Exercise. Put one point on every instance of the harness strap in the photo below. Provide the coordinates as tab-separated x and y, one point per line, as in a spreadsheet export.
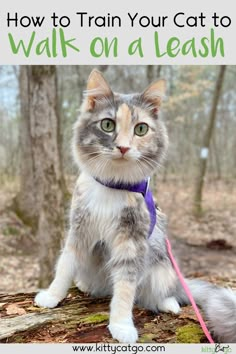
142	188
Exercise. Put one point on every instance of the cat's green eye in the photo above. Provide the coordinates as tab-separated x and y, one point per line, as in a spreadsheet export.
141	129
108	125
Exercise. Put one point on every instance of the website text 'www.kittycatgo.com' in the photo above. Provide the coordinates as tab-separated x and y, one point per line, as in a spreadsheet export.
122	348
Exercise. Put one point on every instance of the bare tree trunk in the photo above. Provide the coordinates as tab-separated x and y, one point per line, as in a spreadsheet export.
171	89
206	143
59	99
217	158
81	82
159	68
25	202
40	200
150	73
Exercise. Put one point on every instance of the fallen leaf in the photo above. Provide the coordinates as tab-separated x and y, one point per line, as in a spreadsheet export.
13	309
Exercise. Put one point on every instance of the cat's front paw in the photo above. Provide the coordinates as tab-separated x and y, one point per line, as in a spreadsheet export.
82	287
169	304
45	299
123	332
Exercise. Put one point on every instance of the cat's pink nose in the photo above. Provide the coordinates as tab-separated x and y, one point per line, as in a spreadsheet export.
123	149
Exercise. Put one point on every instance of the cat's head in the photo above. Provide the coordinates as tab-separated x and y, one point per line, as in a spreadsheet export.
120	137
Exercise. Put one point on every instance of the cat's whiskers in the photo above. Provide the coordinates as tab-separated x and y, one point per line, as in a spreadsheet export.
104	166
139	165
142	160
93	166
92	159
150	166
150	161
95	153
98	169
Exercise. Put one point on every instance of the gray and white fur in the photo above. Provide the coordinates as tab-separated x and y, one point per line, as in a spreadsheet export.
121	138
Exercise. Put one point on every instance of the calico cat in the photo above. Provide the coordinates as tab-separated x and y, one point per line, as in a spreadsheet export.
121	140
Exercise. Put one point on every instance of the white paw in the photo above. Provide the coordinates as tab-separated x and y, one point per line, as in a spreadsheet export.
169	304
123	332
82	287
45	299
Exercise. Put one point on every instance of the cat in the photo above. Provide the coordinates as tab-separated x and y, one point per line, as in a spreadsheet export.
120	139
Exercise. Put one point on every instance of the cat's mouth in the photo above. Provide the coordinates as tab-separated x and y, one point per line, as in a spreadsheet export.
121	159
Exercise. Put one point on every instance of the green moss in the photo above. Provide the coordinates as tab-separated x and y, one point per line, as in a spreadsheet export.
147	338
71	324
95	318
189	334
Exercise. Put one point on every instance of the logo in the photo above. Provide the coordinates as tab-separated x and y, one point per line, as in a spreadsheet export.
219	348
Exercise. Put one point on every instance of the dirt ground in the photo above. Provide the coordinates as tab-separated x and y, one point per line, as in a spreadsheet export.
204	247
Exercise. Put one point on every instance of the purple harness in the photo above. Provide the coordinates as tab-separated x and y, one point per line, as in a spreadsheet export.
143	188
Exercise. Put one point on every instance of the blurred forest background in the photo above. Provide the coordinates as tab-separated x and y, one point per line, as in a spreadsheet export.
38	106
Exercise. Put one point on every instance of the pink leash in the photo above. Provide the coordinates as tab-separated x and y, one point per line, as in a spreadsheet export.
188	293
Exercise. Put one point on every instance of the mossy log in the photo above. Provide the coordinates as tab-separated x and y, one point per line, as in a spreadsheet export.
82	319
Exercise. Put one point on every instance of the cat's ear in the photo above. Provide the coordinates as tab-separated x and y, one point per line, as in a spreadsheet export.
154	94
97	89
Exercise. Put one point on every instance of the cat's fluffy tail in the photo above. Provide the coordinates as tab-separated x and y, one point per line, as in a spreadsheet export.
219	306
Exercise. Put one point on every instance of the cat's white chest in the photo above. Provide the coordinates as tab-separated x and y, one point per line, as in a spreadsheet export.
103	204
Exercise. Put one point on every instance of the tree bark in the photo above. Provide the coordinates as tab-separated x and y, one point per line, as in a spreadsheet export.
150	73
25	202
40	201
217	158
206	143
60	137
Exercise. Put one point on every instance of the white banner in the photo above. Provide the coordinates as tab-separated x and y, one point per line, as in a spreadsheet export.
116	348
109	32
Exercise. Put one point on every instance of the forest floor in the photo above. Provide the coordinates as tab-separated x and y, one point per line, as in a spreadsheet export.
204	247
